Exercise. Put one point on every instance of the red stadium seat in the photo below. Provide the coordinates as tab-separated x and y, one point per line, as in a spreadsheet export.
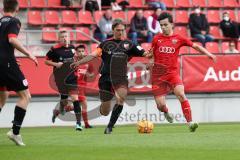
119	14
98	15
85	17
69	30
184	50
35	18
148	13
230	3
55	4
215	31
52	18
23	3
193	51
146	46
181	31
80	36
213	16
38	4
136	4
169	3
215	3
231	14
181	16
69	17
130	15
201	3
183	3
49	36
94	46
213	47
224	46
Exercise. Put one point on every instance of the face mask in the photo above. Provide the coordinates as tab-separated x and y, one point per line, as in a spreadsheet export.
226	18
197	10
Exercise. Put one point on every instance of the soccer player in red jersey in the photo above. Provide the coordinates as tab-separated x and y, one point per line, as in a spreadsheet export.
165	71
83	73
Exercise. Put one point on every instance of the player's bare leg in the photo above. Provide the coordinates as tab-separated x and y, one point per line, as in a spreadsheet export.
121	94
84	114
19	114
77	110
179	92
3	98
162	107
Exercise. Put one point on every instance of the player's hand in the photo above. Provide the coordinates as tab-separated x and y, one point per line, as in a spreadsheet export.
213	57
74	65
59	64
149	53
34	59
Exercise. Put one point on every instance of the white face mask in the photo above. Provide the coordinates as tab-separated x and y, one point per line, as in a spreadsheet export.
226	18
197	10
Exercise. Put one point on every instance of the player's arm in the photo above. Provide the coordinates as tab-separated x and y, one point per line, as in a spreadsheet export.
53	64
95	54
17	44
204	51
13	31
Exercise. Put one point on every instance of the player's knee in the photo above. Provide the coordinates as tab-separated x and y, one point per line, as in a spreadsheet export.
181	96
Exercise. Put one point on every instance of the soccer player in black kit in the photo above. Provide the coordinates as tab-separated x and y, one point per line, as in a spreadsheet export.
60	57
115	54
12	79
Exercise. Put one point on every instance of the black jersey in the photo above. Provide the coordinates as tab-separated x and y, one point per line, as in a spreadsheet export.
60	53
116	54
64	77
9	27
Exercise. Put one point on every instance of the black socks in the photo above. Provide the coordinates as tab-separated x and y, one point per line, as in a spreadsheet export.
77	111
19	114
115	114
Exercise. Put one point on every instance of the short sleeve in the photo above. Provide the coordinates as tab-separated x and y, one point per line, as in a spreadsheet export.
186	42
136	51
50	55
14	28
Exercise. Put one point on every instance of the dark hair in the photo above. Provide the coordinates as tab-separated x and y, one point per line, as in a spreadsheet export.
165	15
117	22
80	46
62	31
10	5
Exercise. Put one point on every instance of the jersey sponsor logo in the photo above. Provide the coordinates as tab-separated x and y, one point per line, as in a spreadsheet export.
25	82
169	50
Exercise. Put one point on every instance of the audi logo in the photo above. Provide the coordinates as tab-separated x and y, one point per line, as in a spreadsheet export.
167	50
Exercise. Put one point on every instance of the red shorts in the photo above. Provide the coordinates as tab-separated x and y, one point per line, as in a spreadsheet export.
81	94
165	84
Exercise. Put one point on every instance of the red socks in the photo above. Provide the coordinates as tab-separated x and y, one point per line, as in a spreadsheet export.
85	117
186	110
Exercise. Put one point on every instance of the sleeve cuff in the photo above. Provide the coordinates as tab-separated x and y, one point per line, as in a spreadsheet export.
12	36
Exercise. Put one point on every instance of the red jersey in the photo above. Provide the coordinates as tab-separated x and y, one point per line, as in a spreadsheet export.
81	73
166	51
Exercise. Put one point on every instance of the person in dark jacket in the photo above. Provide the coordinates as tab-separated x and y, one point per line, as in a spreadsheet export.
230	28
139	28
199	27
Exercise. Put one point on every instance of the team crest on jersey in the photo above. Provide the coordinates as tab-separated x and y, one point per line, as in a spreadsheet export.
25	82
126	46
174	41
73	51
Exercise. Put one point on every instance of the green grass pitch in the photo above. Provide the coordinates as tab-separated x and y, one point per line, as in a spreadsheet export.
167	142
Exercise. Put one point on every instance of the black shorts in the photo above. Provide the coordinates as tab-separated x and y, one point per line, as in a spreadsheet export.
65	82
12	78
107	86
